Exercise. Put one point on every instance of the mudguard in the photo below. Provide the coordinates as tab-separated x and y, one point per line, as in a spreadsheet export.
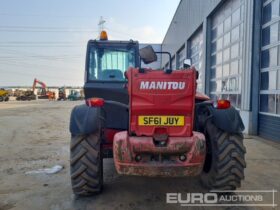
85	120
228	120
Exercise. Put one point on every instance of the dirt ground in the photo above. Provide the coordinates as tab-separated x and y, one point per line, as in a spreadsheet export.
35	135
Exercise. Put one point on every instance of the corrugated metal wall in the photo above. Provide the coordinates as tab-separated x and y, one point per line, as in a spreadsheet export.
269	127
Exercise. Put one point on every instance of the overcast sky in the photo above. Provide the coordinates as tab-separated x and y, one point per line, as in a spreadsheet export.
47	39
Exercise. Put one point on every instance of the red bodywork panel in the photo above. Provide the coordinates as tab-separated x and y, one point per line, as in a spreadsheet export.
154	149
155	92
159	161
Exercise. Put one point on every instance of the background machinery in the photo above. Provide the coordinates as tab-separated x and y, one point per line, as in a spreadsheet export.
4	95
17	92
26	95
152	122
61	94
43	93
74	95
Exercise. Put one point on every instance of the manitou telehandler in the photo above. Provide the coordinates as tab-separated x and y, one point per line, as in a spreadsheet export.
152	122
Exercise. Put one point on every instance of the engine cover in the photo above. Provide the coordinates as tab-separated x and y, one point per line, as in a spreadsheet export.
161	101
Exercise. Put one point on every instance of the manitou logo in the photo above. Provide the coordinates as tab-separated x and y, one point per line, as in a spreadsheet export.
147	85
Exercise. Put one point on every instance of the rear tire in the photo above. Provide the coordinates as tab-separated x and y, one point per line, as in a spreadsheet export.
86	164
1	99
225	159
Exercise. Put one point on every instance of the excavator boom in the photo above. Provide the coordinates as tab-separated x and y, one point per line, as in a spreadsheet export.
44	93
44	86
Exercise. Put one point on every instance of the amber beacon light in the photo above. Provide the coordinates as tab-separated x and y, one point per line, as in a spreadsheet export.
103	35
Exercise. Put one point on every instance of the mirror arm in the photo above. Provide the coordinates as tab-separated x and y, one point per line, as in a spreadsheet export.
169	55
141	70
170	64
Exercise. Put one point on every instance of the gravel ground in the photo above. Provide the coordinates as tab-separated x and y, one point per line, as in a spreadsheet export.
35	135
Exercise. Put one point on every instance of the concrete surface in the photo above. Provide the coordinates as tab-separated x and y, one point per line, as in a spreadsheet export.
35	135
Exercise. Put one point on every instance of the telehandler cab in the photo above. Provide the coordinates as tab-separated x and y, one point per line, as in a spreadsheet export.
152	122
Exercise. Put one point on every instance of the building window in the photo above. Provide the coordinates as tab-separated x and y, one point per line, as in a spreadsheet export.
226	52
195	53
270	34
270	11
270	59
181	55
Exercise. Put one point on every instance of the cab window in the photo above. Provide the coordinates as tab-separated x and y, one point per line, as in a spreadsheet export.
109	64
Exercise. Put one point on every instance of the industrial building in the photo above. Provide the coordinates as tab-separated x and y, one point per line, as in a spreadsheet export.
235	45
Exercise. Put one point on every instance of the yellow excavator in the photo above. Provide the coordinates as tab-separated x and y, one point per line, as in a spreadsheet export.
4	95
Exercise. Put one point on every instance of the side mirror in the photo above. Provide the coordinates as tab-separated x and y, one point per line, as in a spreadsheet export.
147	54
187	63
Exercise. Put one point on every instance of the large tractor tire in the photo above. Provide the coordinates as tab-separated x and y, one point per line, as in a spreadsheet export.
225	159
86	164
1	99
7	98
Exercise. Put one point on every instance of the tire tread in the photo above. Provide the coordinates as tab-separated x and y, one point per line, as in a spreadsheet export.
86	164
228	161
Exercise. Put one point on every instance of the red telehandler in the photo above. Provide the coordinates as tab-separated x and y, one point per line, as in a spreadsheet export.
152	122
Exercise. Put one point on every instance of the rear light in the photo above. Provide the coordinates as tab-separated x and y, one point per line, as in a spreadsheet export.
95	102
223	104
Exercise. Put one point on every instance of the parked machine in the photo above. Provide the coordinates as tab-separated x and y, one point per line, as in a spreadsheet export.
61	94
152	122
4	95
74	95
26	95
43	93
17	92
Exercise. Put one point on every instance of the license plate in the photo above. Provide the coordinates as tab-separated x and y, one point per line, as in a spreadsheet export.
161	120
